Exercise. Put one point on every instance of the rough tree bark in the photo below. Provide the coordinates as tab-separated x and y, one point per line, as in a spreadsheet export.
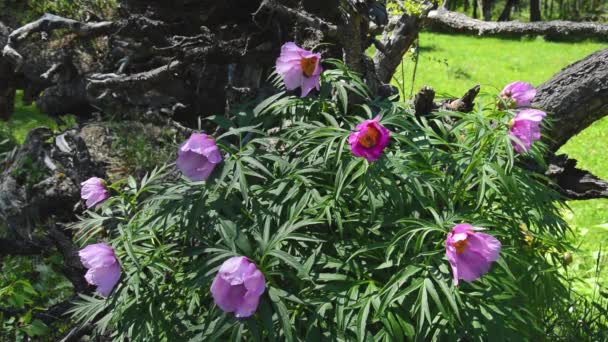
575	97
446	21
535	10
486	9
505	15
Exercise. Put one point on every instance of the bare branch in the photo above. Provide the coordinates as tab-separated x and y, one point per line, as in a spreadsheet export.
122	81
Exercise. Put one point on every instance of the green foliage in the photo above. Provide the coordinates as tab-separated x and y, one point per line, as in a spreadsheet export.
350	250
19	12
28	172
21	299
75	9
399	7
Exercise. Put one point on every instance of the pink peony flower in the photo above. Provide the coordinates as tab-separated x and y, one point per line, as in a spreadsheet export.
299	68
237	287
518	94
103	268
93	191
369	140
470	253
526	127
198	156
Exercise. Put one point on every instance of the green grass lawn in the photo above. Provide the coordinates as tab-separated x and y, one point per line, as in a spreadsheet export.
589	219
452	64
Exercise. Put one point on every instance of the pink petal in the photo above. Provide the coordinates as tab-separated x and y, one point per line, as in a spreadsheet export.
97	255
248	305
293	79
255	282
310	83
105	278
93	191
486	245
471	265
226	296
194	166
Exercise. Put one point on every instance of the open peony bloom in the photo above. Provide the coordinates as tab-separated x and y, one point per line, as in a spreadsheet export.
237	287
369	140
198	156
470	253
518	94
299	68
94	191
526	127
103	268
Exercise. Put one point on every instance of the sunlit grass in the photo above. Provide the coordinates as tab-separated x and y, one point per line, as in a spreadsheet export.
453	64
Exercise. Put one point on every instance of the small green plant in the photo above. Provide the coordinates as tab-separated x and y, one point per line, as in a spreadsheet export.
140	149
28	172
27	287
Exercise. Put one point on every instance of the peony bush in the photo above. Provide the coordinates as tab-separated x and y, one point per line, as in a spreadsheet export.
323	213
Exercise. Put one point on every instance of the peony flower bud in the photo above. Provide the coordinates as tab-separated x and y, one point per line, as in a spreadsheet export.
238	286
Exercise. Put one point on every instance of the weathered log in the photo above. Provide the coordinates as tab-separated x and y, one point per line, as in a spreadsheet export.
575	97
446	21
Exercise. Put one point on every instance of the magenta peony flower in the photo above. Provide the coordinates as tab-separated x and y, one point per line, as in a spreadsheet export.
526	127
518	94
94	191
369	140
198	156
299	68
103	268
470	253
237	287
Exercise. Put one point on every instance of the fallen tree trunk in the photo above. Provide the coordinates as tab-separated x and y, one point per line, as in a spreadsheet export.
443	20
575	97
